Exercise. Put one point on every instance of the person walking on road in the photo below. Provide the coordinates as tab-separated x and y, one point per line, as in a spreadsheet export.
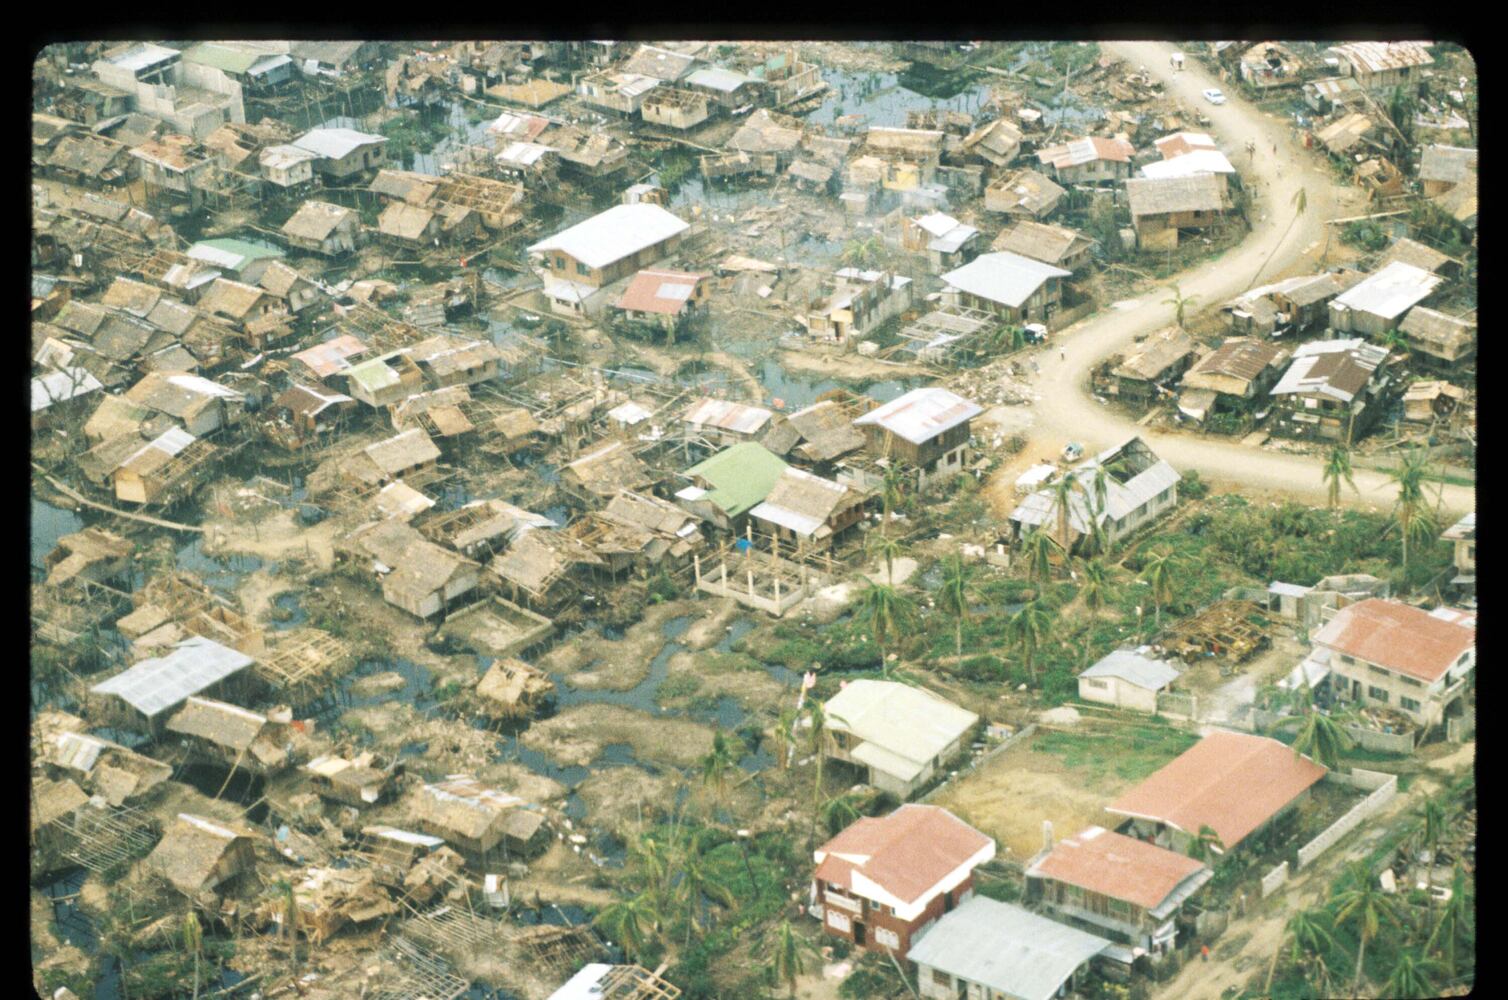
1062	353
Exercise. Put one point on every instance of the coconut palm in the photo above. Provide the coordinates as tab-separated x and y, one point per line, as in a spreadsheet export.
1158	572
1205	844
1179	302
882	546
1308	934
785	734
1096	585
1322	738
1411	512
892	490
629	922
720	761
791	952
1433	831
839	811
955	596
1365	908
887	611
1037	545
1454	925
822	741
1300	202
1411	977
1337	470
864	252
1027	628
1062	497
193	943
699	883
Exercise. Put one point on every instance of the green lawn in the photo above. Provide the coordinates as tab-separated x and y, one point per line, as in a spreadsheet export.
1132	753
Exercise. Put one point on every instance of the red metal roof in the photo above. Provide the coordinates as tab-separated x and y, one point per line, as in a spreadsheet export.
657	291
1117	866
1398	637
906	853
1230	782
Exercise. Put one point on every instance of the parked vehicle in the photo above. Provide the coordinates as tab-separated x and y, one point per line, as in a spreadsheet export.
1073	451
1214	96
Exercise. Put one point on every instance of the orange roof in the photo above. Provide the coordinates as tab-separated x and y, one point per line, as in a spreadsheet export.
1231	782
1117	866
1398	637
657	291
906	853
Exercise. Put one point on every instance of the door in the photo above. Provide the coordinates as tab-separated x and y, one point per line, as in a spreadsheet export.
858	934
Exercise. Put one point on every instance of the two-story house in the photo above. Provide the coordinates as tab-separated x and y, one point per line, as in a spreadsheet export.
926	429
1416	662
1016	288
580	263
1333	390
1116	886
1093	160
1139	487
884	881
1463	534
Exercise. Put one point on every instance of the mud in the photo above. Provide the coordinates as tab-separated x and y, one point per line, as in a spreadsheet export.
577	736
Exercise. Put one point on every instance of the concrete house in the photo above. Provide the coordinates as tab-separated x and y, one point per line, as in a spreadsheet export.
287	166
1463	534
1390	654
1092	160
1333	390
1128	678
1139	488
1016	288
615	91
323	228
343	153
1163	207
1235	377
883	883
580	262
1379	302
1234	783
900	735
926	429
853	302
1116	887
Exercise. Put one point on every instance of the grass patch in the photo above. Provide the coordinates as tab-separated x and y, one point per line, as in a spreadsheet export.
1133	753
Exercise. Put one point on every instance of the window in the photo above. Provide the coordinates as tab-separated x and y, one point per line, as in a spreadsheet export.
1377	693
560	263
1471	551
1376	670
1095	683
582	268
1409	704
1412	682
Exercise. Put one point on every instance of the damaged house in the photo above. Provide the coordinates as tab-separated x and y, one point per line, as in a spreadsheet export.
1139	487
144	693
227	734
1333	389
667	299
103	767
536	569
322	228
1057	246
197	854
925	429
356	781
723	422
947	242
853	302
995	143
392	458
512	688
343	153
819	434
1447	342
1024	193
456	361
1092	160
478	821
600	473
384	380
1234	378
416	575
1161	208
808	512
1146	371
165	469
1378	303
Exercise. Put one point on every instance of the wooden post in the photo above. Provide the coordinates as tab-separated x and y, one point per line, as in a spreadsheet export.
751	583
696	562
725	575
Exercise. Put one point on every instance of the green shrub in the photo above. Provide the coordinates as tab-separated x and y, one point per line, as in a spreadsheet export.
1191	487
983	668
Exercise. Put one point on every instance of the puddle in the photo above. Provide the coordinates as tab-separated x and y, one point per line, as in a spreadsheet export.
569	915
290	603
799	391
48	524
736	631
883	101
222	574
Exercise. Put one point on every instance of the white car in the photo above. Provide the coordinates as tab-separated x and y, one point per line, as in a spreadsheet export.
1214	96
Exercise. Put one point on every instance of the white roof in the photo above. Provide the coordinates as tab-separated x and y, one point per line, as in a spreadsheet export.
1200	161
1036	475
584	984
139	57
922	414
155	685
1198	140
403	836
1003	277
398	497
203	386
525	153
726	415
629	413
1297	378
1006	948
717	78
1120	498
937	223
1390	291
508	123
1135	667
334	143
633	84
172	441
621	231
284	156
216	255
1287	589
56	386
904	722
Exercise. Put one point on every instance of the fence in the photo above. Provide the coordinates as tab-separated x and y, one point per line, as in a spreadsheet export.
1273	880
1178	705
1380	797
1368	739
982	759
1461	728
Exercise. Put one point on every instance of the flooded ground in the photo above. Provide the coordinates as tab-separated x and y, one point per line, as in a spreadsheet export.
884	101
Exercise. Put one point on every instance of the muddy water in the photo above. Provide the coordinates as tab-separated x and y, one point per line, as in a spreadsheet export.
798	391
48	524
291	603
222	574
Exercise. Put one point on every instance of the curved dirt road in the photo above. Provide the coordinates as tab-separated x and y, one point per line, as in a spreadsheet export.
1067	411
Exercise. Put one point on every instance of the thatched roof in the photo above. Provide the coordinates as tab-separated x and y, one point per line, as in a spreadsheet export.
466	808
192	848
217	722
826	432
514	685
607	469
316	220
404	221
1166	195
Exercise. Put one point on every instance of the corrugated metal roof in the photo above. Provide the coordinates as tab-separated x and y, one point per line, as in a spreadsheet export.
1006	948
1136	668
1199	161
56	386
741	476
1124	868
1397	636
619	232
335	143
717	78
739	418
1003	277
1390	291
1377	57
154	685
910	722
922	414
1336	368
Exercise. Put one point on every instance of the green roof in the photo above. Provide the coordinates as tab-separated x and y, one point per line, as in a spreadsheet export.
222	58
741	476
246	251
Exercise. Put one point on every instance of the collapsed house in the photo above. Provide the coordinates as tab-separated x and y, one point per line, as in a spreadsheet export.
415	574
512	688
355	781
103	767
853	303
479	821
1138	487
227	734
197	854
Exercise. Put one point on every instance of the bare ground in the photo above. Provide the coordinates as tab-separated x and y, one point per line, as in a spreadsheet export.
620	665
577	735
753	688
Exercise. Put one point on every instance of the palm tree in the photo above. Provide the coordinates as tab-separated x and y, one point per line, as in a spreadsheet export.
821	744
1410	977
1410	510
720	761
1308	933
791	950
1158	572
1179	302
1062	498
1027	628
628	921
193	943
1454	925
698	882
1205	844
887	611
1433	815
839	811
1299	201
1338	470
882	546
892	487
1096	585
1037	546
1364	905
1322	738
864	252
955	595
785	734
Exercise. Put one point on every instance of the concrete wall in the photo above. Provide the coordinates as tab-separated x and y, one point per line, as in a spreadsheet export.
1367	807
1273	880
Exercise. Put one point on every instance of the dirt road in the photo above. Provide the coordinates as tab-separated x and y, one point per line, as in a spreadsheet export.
1067	411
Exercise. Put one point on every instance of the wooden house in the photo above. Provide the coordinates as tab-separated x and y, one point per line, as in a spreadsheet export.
616	91
724	422
807	512
1235	377
725	487
1015	288
455	361
1383	65
228	734
581	261
1093	160
926	430
287	166
1058	246
1437	339
360	780
1024	193
89	556
483	824
416	575
197	854
603	471
512	688
384	380
1146	370
392	458
995	143
312	411
343	152
1163	207
144	694
665	298
296	291
1332	390
168	466
322	228
1378	303
200	405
